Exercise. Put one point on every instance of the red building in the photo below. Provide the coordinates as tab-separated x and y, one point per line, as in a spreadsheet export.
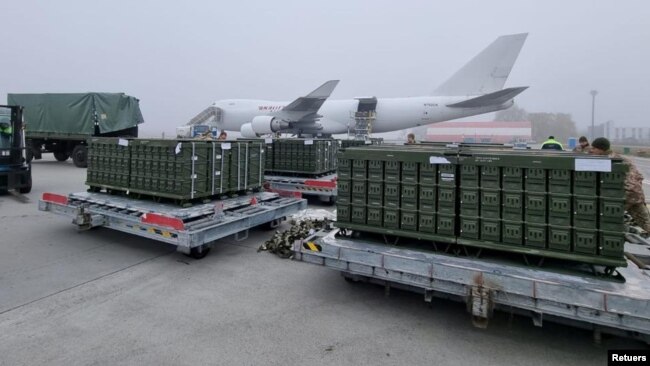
489	131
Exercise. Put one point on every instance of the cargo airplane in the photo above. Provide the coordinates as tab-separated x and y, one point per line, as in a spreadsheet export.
476	88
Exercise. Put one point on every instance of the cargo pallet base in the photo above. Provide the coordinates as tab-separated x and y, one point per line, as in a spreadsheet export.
324	187
618	308
192	230
177	200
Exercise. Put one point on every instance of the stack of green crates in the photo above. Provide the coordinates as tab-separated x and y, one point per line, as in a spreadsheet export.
108	162
176	169
248	162
523	201
302	156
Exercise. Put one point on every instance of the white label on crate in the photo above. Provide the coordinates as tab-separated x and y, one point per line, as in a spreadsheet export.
438	160
218	157
217	173
193	176
368	142
194	157
123	142
593	165
268	141
309	142
225	146
177	150
447	177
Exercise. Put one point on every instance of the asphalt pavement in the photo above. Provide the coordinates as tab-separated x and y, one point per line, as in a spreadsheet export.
102	297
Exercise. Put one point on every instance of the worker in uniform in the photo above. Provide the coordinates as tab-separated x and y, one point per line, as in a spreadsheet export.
410	139
207	135
583	145
5	134
552	144
634	197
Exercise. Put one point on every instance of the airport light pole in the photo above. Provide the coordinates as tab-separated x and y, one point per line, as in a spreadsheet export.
593	109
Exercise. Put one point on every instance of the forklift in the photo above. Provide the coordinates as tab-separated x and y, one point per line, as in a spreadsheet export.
15	170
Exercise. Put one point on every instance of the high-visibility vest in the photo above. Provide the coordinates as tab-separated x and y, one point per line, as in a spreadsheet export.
552	142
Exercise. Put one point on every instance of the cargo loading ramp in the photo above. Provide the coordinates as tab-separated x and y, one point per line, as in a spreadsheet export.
621	308
192	230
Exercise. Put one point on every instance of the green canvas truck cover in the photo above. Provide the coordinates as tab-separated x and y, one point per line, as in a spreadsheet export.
74	113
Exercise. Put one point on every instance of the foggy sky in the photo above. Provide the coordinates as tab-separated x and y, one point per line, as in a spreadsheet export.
178	57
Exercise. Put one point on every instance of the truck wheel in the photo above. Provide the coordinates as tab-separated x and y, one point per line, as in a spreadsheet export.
28	188
199	252
80	156
61	156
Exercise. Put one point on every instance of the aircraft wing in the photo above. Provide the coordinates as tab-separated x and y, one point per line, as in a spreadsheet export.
305	109
495	98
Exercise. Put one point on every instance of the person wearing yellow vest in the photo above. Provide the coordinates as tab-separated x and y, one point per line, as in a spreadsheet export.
5	135
552	144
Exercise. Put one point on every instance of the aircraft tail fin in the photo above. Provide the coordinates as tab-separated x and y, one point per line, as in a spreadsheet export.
488	71
494	98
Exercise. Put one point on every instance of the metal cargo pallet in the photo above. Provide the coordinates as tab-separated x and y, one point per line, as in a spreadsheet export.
604	306
324	187
192	230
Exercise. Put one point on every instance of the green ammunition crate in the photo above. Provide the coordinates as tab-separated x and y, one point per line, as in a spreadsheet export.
490	177
375	216
344	191
535	208
585	183
409	172
359	169
427	222
358	214
469	176
469	201
559	181
427	207
491	203
344	170
428	174
611	214
447	175
447	200
513	178
585	241
446	224
342	212
535	180
559	209
470	227
427	194
536	235
513	204
408	220
219	169
359	189
392	171
585	212
375	170
409	196
513	232
611	243
391	218
490	230
560	238
392	191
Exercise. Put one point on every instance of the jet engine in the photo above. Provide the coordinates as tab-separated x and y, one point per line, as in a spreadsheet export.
268	124
246	131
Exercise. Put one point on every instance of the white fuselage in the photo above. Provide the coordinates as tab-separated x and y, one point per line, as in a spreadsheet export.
392	114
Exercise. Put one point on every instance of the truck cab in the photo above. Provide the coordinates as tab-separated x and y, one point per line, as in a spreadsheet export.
15	170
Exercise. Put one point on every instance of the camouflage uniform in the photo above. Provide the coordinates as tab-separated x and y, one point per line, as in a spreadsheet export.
634	197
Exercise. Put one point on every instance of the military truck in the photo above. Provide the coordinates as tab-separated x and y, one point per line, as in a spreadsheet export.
61	123
15	170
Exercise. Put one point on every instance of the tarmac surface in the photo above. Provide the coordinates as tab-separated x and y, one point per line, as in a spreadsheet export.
103	297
